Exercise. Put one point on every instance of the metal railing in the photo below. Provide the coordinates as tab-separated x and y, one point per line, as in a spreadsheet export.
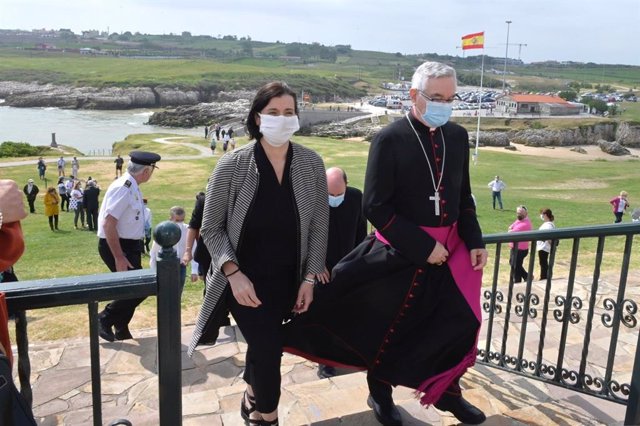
543	329
531	328
91	289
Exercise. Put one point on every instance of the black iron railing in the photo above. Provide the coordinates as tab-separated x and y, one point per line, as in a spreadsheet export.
543	329
91	289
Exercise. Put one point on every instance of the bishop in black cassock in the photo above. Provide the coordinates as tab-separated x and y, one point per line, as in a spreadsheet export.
405	304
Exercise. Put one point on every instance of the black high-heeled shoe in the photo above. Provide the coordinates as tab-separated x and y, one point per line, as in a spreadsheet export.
245	411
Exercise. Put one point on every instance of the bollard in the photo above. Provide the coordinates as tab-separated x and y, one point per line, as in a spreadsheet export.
169	354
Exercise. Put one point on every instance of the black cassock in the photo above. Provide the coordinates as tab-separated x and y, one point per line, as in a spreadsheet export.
386	309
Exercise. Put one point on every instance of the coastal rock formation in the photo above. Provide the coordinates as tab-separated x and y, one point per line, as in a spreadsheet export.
490	138
628	135
201	114
613	148
582	135
18	94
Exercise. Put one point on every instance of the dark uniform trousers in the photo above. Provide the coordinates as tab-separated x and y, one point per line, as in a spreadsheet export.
119	312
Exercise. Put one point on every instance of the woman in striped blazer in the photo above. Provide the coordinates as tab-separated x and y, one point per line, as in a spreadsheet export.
265	224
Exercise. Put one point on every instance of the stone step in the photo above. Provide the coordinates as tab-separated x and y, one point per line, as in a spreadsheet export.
213	388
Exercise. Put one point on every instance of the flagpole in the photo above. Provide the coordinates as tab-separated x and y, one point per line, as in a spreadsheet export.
475	154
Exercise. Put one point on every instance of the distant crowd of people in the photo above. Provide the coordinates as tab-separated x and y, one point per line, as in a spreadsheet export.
216	133
520	250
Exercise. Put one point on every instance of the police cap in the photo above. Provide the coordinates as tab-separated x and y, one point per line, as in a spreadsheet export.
144	158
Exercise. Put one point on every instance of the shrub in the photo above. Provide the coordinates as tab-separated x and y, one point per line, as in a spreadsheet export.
19	149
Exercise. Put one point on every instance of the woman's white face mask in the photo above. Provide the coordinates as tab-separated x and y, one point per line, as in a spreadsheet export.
278	129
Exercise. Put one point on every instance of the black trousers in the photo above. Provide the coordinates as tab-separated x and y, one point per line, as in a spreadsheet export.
119	312
543	258
262	329
32	205
519	272
92	219
65	199
53	220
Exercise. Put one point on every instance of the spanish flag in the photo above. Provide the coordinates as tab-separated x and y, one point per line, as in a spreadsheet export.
473	41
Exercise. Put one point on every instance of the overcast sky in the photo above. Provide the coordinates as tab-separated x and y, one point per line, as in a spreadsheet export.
577	30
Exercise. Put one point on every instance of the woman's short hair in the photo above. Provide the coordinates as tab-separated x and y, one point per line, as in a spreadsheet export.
623	193
275	89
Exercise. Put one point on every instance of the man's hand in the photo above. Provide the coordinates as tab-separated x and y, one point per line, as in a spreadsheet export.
439	255
478	258
122	264
324	277
11	202
187	257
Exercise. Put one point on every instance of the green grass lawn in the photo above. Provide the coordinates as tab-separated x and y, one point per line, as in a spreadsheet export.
577	191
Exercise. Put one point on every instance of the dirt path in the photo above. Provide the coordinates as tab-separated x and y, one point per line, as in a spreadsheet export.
203	152
593	152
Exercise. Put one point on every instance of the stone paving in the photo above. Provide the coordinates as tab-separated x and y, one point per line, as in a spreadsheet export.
212	388
212	383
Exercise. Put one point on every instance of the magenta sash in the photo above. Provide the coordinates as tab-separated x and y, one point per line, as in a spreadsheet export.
469	283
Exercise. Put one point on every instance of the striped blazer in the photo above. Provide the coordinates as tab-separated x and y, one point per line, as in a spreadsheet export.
230	193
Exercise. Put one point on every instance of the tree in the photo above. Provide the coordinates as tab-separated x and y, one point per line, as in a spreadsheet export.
568	95
186	34
599	105
247	48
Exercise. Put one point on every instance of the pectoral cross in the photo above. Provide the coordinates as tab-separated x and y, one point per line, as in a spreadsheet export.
436	201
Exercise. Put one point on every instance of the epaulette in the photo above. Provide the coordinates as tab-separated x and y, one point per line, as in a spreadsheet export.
127	183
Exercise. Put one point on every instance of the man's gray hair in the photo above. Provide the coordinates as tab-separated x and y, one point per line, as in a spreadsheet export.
176	211
431	70
135	169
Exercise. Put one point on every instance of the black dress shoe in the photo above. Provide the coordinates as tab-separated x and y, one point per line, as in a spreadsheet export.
326	371
123	333
462	409
104	330
387	415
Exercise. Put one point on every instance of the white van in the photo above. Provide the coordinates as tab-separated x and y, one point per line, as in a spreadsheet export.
394	104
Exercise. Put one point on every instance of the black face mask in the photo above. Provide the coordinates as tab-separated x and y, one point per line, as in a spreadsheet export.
520	217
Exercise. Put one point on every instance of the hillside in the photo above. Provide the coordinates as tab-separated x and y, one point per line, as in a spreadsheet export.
211	65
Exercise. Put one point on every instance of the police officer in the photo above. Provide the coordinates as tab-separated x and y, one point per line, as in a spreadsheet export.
121	230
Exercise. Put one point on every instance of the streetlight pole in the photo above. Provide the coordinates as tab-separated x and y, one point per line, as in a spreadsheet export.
506	54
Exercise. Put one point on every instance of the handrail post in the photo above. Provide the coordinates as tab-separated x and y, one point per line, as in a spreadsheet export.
632	415
169	353
94	345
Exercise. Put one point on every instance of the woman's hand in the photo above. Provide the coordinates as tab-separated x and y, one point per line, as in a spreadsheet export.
305	297
243	290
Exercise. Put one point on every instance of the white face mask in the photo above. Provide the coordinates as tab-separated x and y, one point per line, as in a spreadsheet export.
278	129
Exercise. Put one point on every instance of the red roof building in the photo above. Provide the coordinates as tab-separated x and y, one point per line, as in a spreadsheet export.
536	104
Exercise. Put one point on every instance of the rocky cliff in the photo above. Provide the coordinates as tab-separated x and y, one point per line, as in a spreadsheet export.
625	134
201	114
19	94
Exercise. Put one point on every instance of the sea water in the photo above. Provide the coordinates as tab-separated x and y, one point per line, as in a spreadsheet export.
90	131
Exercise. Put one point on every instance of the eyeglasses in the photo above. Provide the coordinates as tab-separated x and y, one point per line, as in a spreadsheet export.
439	100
